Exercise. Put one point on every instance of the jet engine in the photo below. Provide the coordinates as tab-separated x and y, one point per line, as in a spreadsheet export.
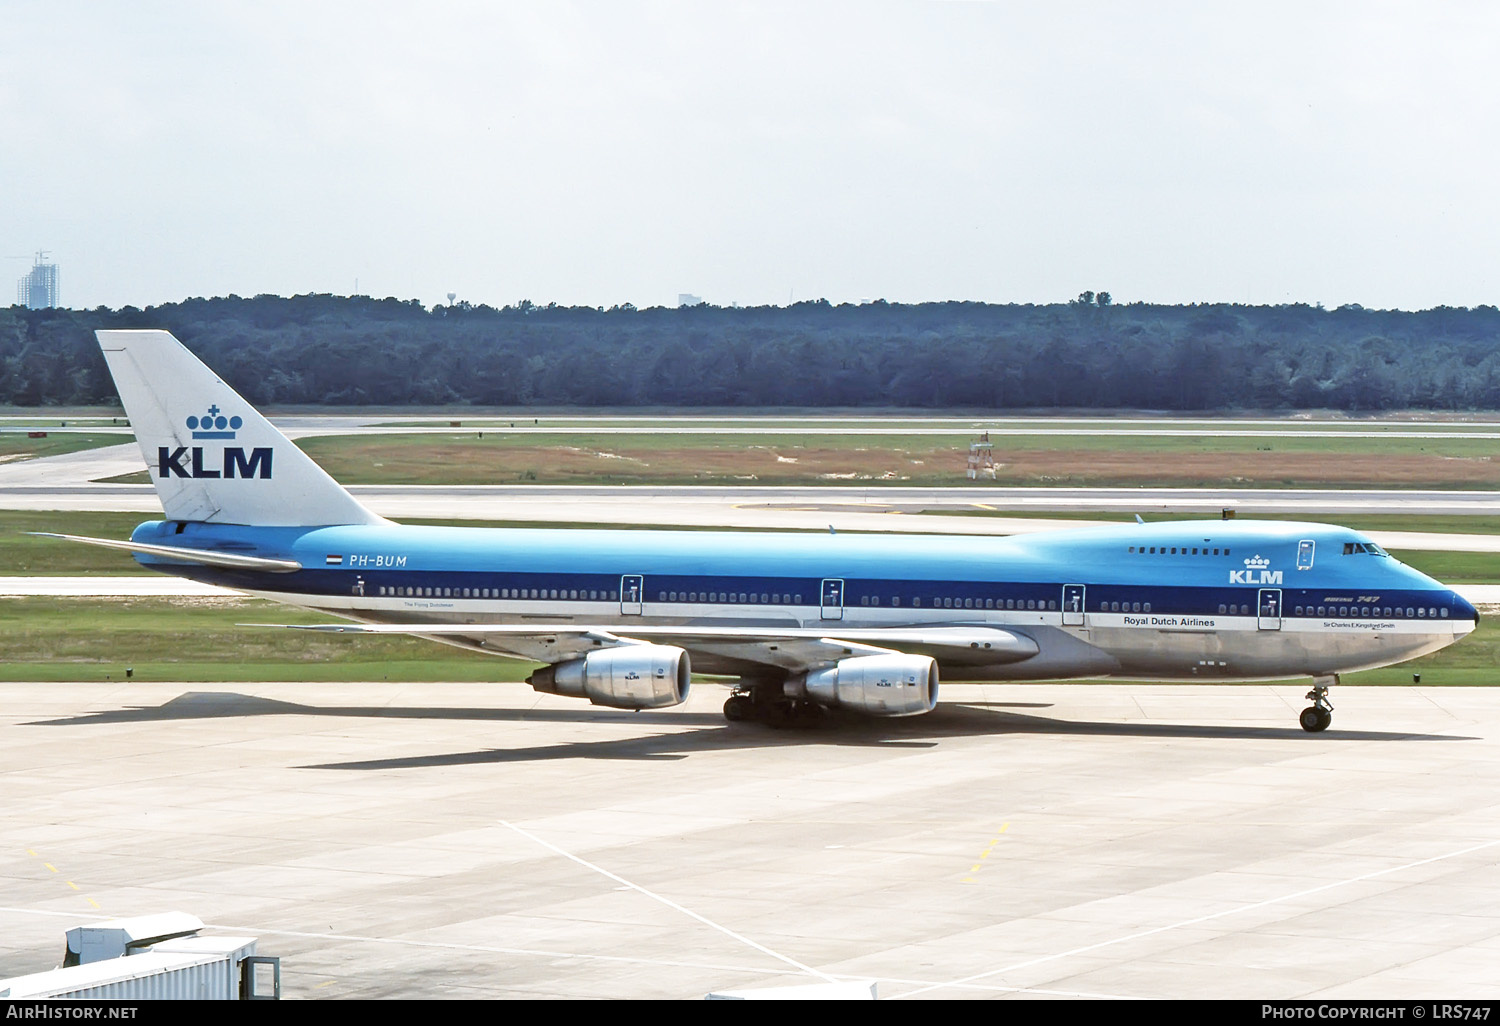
629	677
878	685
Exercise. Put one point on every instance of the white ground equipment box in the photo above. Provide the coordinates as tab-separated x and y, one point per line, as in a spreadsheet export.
152	958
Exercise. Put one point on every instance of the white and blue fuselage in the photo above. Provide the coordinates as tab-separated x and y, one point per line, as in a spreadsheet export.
1172	601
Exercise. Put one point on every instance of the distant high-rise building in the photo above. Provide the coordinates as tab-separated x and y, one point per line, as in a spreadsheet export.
688	299
38	290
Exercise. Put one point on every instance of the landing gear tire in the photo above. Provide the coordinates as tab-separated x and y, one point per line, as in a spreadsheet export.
1319	715
738	708
1314	719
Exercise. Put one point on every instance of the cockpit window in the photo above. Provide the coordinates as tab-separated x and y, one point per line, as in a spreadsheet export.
1363	548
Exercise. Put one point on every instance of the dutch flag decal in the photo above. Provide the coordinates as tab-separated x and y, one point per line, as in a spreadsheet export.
334	560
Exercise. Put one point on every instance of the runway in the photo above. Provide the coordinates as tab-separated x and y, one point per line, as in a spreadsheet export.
447	841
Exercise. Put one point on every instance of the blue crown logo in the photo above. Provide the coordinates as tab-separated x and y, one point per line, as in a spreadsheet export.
214	424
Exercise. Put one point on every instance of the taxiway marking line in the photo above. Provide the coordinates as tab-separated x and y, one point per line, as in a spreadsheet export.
70	883
1204	919
986	853
669	903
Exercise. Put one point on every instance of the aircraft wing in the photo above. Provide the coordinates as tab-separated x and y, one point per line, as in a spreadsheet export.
790	649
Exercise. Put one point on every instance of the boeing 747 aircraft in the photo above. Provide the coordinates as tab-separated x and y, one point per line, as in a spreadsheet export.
802	622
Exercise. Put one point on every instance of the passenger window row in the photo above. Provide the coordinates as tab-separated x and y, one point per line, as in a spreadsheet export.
574	594
968	603
740	598
1406	612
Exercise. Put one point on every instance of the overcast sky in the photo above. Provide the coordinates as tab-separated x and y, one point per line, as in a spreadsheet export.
611	152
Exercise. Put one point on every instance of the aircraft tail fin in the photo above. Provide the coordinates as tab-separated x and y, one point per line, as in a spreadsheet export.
211	456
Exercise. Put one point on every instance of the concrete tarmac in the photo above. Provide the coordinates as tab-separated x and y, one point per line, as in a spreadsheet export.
421	841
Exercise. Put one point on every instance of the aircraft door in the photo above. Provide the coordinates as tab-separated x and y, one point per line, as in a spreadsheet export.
632	594
1072	605
1305	550
1269	606
833	599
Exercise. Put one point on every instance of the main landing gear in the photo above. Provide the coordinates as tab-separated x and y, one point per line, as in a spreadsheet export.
738	708
766	704
1319	715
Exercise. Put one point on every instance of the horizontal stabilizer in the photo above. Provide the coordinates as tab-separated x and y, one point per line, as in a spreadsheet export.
205	557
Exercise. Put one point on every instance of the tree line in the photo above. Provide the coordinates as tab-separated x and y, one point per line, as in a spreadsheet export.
1095	354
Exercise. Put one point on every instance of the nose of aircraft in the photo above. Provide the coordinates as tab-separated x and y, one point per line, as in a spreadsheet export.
1463	610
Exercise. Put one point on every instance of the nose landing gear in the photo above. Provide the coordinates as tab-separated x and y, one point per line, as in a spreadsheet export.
1319	715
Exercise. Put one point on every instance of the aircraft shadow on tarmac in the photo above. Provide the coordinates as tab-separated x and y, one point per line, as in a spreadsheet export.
710	731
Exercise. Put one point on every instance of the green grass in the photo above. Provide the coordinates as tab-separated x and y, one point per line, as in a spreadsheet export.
958	440
135	477
199	640
24	555
16	444
1453	567
474	455
1422	523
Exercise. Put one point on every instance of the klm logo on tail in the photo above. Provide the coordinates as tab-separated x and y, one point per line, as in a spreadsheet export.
235	463
213	425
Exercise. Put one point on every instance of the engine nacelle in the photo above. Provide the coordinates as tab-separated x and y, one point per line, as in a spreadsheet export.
629	677
880	685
